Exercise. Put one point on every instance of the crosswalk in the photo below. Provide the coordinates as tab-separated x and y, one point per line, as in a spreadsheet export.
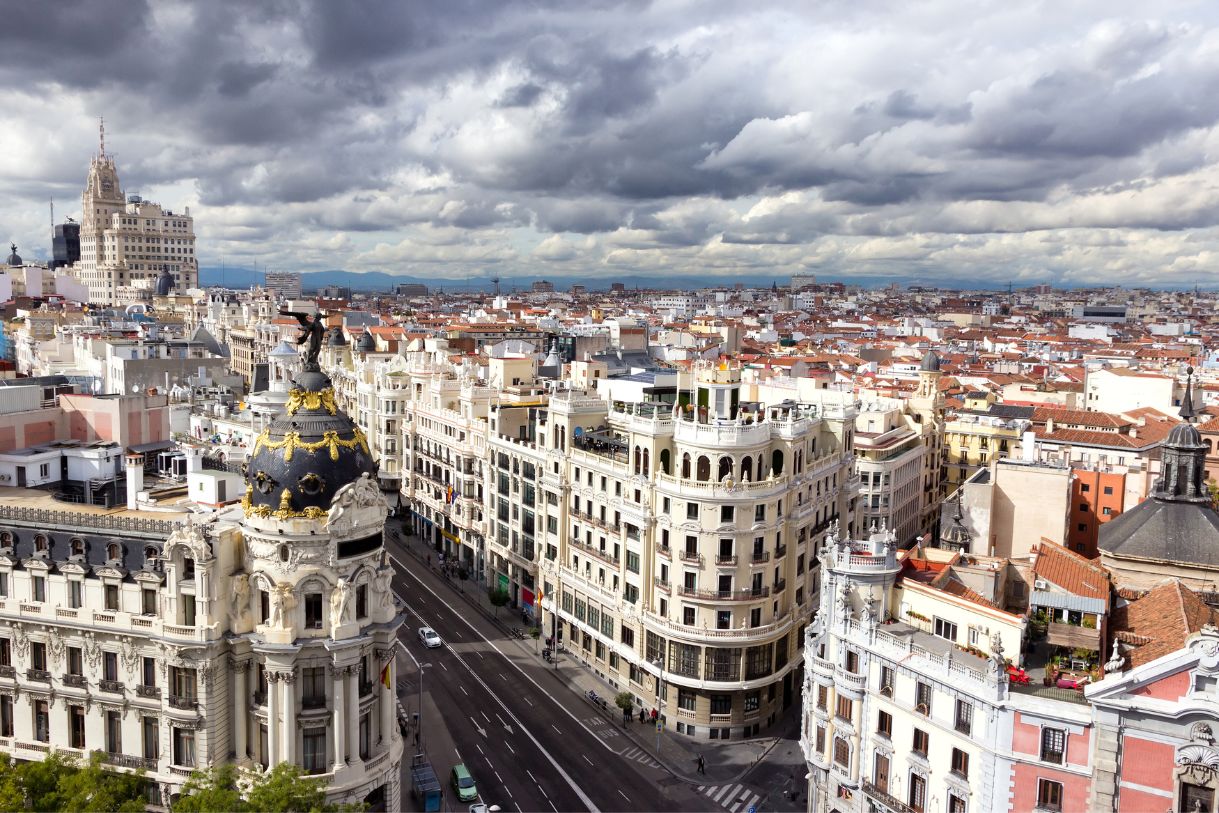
736	798
640	756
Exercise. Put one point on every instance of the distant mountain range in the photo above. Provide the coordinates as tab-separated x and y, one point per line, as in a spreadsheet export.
380	281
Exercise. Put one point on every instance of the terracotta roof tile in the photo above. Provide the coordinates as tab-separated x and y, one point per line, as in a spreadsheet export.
1165	617
1070	571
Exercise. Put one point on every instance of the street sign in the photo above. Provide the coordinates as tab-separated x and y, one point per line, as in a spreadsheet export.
659	726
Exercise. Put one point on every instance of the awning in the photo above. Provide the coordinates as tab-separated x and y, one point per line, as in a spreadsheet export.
143	448
1066	601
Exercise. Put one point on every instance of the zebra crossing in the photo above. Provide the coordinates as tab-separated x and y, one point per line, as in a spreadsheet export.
640	756
736	798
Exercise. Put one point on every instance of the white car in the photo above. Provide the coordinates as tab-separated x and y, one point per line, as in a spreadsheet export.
429	638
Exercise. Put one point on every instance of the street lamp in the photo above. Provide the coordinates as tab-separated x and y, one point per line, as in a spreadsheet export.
660	703
419	715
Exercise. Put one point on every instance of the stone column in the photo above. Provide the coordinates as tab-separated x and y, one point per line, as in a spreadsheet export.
241	711
353	715
339	729
273	758
289	730
386	698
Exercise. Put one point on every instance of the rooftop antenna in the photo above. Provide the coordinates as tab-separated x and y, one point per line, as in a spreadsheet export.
101	134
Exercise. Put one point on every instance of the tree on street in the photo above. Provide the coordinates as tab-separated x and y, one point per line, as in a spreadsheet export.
498	598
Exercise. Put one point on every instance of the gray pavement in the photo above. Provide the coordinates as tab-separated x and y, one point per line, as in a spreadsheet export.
758	774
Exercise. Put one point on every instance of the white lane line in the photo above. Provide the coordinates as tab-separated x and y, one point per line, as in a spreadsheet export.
497	776
509	747
588	802
526	699
480	748
442	666
485	717
586	759
455	751
531	776
518	808
463	690
624	796
511	662
556	728
552	807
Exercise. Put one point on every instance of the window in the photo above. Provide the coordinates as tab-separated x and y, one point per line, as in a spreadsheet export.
946	629
313	743
1053	745
183	682
691	510
886	681
1196	797
922	698
721	704
110	666
76	726
38	588
188	572
884	724
842	752
880	772
151	737
42	721
114	732
365	736
74	593
753	701
852	664
955	804
313	611
362	601
921	741
148	601
184	747
1049	795
313	687
727	513
960	762
820	739
38	655
918	792
112	597
6	716
843	711
1107	490
188	610
149	672
632	561
1083	506
1085	488
1108	512
823	697
965	716
76	664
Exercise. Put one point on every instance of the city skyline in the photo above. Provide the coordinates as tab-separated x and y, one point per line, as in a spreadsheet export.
1065	146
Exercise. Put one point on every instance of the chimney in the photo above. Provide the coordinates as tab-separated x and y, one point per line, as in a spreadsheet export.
135	479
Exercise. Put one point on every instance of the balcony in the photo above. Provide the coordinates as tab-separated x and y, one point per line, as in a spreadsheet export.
690	557
780	551
114	686
725	560
760	558
79	681
186	702
1073	637
884	801
723	595
663	586
147	691
8	671
780	586
313	702
40	675
604	556
665	551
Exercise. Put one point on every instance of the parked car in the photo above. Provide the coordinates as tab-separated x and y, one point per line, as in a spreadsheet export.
429	638
463	783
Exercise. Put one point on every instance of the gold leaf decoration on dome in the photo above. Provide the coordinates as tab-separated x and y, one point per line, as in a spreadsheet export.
311	400
330	439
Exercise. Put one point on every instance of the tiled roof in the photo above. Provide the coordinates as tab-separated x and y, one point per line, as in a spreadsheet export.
1069	571
1165	617
1077	417
955	588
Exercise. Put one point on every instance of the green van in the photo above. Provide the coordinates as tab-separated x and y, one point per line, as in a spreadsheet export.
463	783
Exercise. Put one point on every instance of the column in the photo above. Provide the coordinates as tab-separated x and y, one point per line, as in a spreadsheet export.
339	729
241	711
353	715
289	730
386	699
273	758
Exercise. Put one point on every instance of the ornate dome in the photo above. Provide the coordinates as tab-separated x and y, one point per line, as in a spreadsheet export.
305	456
1185	436
165	283
14	259
366	343
931	362
337	339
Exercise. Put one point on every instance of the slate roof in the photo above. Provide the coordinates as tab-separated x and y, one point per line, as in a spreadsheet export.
1159	623
1165	531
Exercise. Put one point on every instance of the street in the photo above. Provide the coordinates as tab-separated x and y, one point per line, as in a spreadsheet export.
529	743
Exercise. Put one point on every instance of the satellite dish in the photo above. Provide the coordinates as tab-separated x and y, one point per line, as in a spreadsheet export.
135	387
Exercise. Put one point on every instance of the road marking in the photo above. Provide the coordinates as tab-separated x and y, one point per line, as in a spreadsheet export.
531	776
552	807
442	666
526	699
586	759
455	751
497	776
588	802
556	728
624	796
480	748
463	690
509	747
511	662
485	717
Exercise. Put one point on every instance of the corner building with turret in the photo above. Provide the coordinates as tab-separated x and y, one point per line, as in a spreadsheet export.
174	640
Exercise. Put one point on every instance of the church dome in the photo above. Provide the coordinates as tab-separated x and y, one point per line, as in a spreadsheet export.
165	283
366	343
14	259
931	362
1185	436
306	455
337	339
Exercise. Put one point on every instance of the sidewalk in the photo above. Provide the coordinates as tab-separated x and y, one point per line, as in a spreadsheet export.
725	761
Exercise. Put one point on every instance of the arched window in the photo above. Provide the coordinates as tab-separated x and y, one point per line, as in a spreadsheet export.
704	468
725	468
41	543
664	461
637	459
77	546
150	553
799	461
647	462
114	552
776	462
685	466
747	468
6	539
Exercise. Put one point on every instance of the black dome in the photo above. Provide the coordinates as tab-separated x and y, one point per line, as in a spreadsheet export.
306	455
931	362
366	342
1185	436
337	339
165	283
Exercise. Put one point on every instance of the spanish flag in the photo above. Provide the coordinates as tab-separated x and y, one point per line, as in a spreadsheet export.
385	676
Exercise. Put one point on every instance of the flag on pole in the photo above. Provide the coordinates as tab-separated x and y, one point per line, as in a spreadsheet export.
385	676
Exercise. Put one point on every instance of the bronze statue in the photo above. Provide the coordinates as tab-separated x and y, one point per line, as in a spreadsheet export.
312	331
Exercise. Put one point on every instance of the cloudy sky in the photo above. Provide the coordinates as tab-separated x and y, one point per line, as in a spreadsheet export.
955	141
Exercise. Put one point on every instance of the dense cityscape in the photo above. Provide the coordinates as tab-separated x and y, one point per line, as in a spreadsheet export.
718	498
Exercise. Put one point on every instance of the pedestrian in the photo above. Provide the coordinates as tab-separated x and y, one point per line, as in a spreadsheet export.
653	715
702	764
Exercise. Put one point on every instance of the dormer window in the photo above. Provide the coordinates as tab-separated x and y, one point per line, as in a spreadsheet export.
77	546
6	540
114	552
188	568
41	544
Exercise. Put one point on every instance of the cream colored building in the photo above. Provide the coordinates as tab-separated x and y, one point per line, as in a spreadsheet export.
126	243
